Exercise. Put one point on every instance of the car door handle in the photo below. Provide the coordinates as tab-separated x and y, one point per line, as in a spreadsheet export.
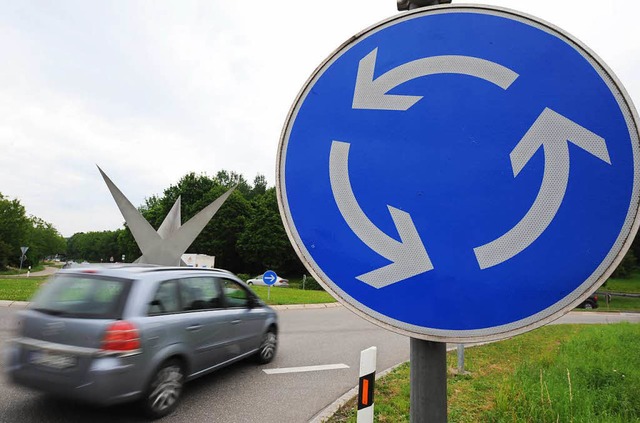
194	327
235	322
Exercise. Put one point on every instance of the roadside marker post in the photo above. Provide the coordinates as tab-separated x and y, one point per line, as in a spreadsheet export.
366	385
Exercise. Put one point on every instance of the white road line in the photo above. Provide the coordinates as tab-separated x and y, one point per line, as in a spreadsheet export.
305	369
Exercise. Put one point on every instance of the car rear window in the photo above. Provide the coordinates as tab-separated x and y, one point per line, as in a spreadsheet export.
87	296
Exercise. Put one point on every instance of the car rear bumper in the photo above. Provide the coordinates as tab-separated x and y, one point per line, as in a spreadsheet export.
96	380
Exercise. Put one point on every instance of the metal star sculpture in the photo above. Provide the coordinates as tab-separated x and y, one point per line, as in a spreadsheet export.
166	245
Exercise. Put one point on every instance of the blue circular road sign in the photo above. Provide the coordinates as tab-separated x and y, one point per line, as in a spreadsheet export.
461	173
269	277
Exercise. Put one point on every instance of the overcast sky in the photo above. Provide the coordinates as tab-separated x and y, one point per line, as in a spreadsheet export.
152	90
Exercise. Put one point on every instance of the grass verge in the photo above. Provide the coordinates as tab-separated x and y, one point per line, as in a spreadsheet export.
19	289
631	284
566	373
618	304
22	289
15	271
283	296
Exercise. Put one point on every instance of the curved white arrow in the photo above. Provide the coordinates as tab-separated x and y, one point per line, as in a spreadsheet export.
409	256
372	93
551	131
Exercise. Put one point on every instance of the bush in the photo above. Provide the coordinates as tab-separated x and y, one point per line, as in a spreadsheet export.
243	276
312	284
626	267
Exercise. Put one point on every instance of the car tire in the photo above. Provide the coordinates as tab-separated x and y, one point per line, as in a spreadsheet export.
588	306
268	347
164	390
249	283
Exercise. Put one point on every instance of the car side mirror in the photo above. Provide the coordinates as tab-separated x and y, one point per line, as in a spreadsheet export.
253	302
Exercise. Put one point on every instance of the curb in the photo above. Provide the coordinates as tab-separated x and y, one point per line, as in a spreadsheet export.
14	304
305	306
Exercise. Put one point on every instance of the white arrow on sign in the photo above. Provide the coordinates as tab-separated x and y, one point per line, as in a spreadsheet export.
270	278
552	132
371	93
409	256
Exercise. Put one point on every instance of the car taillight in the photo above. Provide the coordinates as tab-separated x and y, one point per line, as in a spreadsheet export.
595	297
121	336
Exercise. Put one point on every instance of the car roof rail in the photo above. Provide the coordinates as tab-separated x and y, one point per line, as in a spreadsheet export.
187	268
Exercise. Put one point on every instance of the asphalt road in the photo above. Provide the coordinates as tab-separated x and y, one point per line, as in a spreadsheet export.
244	392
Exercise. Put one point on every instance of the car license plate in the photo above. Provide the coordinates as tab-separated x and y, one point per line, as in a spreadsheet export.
52	359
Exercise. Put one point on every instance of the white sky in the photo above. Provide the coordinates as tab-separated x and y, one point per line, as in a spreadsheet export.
152	90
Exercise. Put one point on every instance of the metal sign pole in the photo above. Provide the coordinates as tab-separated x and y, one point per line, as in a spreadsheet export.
428	375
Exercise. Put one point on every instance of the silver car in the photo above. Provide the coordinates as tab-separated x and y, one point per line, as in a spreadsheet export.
137	333
258	280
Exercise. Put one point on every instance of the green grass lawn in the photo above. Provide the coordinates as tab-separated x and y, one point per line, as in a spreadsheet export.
559	373
22	289
281	296
623	285
19	289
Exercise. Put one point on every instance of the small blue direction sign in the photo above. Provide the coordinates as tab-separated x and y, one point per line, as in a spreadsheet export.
269	277
461	173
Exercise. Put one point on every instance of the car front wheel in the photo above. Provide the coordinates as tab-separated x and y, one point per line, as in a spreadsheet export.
164	390
268	347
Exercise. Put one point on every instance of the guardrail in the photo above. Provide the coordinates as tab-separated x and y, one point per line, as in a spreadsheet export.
619	294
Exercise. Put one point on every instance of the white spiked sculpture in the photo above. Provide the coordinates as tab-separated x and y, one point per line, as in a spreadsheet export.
166	246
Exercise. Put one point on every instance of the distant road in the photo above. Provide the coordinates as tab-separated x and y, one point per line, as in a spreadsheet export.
48	270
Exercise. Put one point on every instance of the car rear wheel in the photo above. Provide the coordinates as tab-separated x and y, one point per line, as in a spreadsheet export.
164	390
588	306
268	347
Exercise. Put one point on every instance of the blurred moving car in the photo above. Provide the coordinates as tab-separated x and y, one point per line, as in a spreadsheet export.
258	280
590	303
122	333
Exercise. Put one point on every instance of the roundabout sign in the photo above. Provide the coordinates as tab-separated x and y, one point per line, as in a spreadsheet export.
473	173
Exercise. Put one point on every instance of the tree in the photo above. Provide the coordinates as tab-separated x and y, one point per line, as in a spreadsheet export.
627	266
264	244
14	231
228	179
259	187
127	246
44	240
94	246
